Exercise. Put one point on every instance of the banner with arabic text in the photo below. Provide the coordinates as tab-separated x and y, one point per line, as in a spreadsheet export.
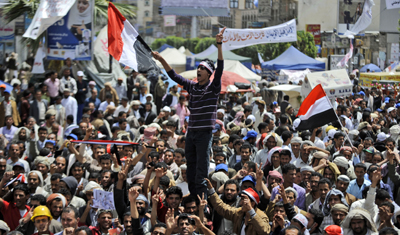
392	4
238	38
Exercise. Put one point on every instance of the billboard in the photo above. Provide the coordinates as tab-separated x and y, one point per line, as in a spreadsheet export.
7	37
195	3
72	36
169	20
194	7
315	30
349	12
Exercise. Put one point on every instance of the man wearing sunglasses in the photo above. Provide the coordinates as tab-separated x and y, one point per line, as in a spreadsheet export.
203	113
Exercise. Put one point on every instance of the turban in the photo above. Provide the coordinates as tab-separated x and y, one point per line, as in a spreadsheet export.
340	207
53	196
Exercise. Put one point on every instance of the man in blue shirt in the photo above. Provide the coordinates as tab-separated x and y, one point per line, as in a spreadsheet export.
93	99
357	185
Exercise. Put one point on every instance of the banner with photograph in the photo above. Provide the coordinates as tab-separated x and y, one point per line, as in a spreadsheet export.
392	4
48	12
238	38
7	36
72	36
169	20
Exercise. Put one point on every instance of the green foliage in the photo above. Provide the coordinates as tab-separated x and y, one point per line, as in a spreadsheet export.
305	43
17	8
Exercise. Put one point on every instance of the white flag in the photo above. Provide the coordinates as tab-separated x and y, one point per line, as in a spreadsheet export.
260	58
343	62
38	65
363	22
48	12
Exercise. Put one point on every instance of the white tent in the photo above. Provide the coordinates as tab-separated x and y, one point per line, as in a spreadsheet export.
336	83
231	66
176	59
293	91
238	68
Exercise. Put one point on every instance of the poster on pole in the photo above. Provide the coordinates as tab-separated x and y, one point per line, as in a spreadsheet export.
239	38
72	36
7	36
48	12
169	20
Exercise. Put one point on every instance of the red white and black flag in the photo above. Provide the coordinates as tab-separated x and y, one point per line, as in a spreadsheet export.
316	110
126	45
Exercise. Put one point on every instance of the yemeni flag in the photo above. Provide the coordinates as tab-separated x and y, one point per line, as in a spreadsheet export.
316	110
126	45
21	178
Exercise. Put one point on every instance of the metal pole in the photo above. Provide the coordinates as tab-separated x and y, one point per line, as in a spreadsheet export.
110	64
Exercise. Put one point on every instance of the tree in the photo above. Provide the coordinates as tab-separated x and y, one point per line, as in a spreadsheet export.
17	8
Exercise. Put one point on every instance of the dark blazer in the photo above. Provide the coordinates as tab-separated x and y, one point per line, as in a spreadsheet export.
34	109
131	85
149	118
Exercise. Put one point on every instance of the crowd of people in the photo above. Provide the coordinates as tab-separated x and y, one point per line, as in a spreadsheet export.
198	164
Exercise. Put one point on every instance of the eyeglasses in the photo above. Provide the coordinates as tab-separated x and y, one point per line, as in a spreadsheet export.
201	67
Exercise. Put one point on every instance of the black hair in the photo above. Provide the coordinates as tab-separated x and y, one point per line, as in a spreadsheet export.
174	190
189	199
108	96
158	225
23	187
122	120
48	116
372	168
154	154
337	135
115	128
148	103
288	167
42	128
245	146
285	152
286	135
279	204
313	174
181	151
165	181
292	227
171	123
388	231
262	125
40	198
248	108
390	205
120	114
220	154
318	216
251	165
325	181
390	139
382	194
85	229
233	137
56	176
70	118
231	181
71	208
360	165
95	175
65	192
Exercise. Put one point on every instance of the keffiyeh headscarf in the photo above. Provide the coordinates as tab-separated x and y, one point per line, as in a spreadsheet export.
326	210
238	118
276	137
221	124
270	153
275	174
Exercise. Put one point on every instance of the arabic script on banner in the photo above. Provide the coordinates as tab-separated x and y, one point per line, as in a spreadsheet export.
392	4
238	38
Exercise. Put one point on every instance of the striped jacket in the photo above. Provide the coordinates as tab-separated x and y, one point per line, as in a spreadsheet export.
203	99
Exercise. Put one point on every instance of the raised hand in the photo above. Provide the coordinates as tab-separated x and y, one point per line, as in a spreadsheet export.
260	172
69	231
203	202
156	55
219	37
209	185
122	176
170	219
196	220
246	204
160	172
133	194
156	197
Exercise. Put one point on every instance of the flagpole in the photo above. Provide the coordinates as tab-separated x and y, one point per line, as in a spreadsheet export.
339	121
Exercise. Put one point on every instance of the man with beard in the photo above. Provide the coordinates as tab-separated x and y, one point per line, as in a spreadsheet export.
269	142
333	198
104	222
56	203
359	222
338	213
69	220
342	183
185	224
314	194
106	180
42	217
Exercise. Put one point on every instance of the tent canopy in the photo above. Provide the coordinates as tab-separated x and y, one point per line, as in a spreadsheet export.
231	66
163	47
228	55
228	78
176	59
190	60
371	67
293	59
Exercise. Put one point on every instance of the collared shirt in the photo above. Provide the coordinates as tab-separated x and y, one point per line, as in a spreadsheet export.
182	111
121	108
69	83
103	106
71	107
42	109
328	220
8	133
355	190
121	90
299	163
300	202
53	87
349	124
7	108
96	102
261	156
315	204
142	98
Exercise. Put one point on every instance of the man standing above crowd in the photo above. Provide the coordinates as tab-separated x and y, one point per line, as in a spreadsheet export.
203	103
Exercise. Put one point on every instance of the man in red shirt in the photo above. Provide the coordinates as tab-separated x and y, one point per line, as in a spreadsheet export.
14	211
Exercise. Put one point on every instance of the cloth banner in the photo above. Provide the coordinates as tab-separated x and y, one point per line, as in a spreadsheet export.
392	4
343	62
363	22
38	67
48	12
239	38
169	20
103	200
295	76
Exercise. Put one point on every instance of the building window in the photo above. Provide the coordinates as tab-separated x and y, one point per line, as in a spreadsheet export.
249	4
146	14
146	3
234	3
